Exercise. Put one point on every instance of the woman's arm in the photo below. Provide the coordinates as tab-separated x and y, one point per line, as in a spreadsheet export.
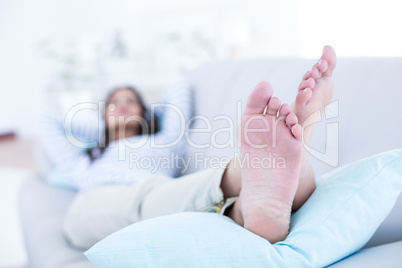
106	170
174	111
62	151
61	148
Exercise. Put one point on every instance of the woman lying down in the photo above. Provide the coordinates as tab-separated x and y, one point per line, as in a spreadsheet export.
113	194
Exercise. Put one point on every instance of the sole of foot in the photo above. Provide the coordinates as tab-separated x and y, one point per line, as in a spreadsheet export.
271	154
317	87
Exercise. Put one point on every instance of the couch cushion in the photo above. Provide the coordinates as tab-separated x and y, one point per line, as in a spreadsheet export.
42	210
344	211
388	255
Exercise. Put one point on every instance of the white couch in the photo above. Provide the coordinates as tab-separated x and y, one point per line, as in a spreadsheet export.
368	92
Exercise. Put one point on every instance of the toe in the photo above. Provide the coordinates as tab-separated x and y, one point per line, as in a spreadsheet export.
309	83
322	66
273	106
303	96
291	120
296	131
313	73
258	98
306	75
284	110
329	56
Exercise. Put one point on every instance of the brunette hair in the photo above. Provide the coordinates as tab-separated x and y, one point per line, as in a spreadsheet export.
151	121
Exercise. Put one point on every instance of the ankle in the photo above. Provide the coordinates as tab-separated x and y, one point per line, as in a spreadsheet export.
231	180
234	212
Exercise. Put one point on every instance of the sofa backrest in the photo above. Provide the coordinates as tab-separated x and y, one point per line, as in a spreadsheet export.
366	110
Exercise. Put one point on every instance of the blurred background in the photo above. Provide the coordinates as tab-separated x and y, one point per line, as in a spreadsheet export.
54	53
66	47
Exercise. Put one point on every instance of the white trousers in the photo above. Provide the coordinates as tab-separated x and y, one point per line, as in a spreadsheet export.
101	211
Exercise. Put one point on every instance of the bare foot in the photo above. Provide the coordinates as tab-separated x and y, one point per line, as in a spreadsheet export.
315	92
316	88
268	186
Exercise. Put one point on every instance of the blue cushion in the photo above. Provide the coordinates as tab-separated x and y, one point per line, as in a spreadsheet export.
343	213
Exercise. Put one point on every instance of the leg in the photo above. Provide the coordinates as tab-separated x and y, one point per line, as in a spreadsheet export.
101	211
231	187
231	179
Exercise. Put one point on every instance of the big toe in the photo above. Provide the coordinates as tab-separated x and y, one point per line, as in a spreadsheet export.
329	56
259	98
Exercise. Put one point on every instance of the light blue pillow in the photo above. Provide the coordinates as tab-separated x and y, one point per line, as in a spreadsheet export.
343	213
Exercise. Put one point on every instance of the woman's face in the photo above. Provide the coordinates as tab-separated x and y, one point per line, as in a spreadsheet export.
123	110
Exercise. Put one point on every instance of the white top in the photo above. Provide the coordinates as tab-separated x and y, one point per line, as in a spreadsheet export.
124	161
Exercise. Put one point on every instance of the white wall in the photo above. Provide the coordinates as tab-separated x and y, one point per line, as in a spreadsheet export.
354	28
235	29
205	30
